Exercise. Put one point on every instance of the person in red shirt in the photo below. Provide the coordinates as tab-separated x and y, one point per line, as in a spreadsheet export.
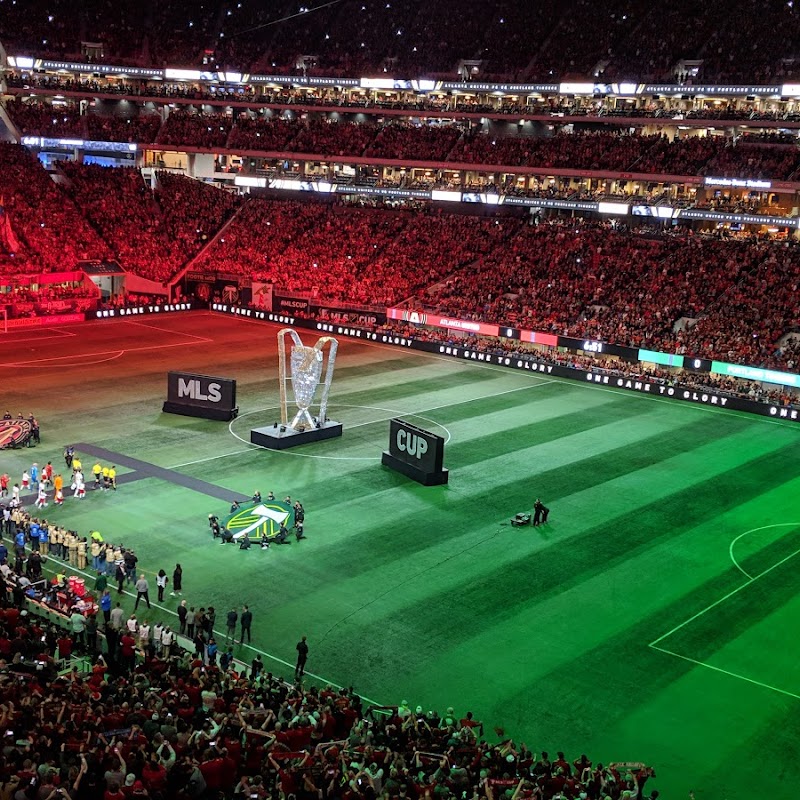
127	651
113	793
228	768
12	618
562	763
213	770
154	775
138	791
287	776
64	644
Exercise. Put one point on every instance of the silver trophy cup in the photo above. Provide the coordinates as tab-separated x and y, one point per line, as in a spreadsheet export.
305	367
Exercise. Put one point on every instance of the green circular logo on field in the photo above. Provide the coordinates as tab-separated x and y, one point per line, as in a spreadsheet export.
259	520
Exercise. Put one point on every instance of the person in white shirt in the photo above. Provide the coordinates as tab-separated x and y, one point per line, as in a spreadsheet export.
41	499
158	630
144	635
132	625
167	637
161	582
80	485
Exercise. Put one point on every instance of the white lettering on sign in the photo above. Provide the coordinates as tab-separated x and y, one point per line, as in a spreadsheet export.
411	443
192	388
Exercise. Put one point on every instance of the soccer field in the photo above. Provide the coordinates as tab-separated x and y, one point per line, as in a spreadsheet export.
653	619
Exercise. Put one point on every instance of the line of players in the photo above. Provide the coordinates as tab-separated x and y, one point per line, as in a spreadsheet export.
105	478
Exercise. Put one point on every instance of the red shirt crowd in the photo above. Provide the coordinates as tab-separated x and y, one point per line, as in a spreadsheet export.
176	728
152	233
759	158
549	41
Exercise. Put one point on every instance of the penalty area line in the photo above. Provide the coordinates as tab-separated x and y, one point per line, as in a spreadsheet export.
204	339
723	599
755	530
52	360
726	672
654	645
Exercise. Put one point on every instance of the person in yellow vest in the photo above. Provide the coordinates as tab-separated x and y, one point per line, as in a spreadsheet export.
55	540
62	544
82	553
19	518
109	564
106	479
76	464
96	549
73	549
112	477
97	471
64	551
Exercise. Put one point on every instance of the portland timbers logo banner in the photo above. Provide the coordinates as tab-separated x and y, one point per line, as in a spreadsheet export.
259	520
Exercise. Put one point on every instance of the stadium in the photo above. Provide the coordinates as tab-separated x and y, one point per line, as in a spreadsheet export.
552	553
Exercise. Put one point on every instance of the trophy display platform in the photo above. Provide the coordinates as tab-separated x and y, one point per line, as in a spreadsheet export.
282	437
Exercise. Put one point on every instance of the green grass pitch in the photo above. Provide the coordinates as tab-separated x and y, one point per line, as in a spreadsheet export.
654	618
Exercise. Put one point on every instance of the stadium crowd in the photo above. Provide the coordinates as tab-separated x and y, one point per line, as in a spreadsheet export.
589	280
160	722
328	135
51	232
141	128
36	118
330	138
511	42
202	130
151	233
367	256
265	134
47	299
602	108
418	142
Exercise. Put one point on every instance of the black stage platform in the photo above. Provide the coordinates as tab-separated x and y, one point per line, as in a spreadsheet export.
281	437
426	478
204	412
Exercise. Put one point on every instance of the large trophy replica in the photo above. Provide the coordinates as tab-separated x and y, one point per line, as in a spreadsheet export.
302	366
